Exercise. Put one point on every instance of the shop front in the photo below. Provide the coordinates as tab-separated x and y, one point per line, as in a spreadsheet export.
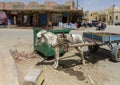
38	15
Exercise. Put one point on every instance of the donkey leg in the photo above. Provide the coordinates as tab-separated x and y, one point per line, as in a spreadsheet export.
82	56
81	53
56	61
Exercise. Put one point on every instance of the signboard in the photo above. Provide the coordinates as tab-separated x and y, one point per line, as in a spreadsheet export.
18	7
38	7
61	7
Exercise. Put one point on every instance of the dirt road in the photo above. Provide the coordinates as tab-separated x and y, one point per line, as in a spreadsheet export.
71	72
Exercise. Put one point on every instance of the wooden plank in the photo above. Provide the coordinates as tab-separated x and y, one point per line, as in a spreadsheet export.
81	45
102	33
93	41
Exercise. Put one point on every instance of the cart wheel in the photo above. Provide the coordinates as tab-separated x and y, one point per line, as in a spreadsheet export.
116	53
93	48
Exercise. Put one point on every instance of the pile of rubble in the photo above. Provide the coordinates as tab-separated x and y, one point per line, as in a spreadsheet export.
22	55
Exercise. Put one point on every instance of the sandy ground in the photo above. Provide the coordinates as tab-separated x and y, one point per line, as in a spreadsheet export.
8	71
98	70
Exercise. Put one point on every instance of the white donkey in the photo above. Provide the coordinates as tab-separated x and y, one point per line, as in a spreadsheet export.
57	43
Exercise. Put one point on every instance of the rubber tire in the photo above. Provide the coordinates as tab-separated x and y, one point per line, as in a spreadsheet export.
93	48
114	52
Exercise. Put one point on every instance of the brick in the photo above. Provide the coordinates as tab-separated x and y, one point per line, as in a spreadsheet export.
34	77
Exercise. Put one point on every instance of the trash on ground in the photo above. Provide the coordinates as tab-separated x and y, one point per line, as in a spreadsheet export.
23	55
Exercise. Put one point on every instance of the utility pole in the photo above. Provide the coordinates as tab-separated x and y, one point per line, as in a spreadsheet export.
77	4
113	14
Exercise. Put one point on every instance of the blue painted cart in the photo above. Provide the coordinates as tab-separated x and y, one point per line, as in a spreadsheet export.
96	39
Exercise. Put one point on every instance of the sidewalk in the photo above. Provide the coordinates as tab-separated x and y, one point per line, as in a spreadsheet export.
113	26
8	71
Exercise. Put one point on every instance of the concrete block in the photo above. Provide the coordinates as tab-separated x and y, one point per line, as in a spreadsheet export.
34	77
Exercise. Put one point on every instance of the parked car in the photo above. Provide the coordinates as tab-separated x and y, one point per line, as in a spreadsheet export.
101	26
86	24
94	22
89	24
117	22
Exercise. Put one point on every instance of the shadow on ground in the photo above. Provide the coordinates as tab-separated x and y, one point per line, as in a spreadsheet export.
102	54
66	63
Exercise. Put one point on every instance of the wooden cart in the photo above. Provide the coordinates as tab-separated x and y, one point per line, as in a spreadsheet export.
96	39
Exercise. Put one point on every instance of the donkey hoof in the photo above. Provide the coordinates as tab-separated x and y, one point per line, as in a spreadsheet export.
56	66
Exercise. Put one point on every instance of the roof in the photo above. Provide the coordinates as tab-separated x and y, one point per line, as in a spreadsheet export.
48	5
1	5
32	6
12	5
115	8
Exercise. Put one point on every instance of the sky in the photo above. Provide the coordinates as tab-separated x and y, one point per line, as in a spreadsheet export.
87	5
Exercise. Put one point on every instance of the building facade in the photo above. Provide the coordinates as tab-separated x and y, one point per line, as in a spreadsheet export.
35	14
109	15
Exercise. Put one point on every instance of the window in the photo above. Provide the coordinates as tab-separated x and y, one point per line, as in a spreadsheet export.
116	17
91	14
104	19
110	18
96	18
